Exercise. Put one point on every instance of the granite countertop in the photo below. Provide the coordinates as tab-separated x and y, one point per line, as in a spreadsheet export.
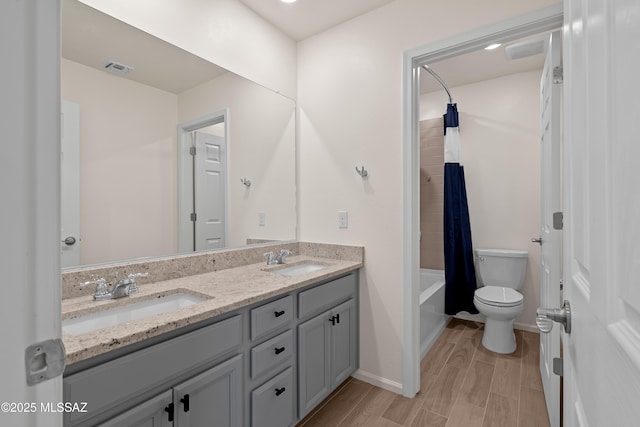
224	291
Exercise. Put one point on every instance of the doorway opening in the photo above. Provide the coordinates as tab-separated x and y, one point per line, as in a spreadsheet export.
536	22
202	183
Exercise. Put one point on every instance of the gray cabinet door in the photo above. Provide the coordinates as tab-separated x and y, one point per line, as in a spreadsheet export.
152	413
314	376
212	398
343	342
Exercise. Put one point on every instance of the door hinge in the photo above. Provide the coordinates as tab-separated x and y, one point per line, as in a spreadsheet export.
192	151
561	284
557	366
194	217
558	219
44	360
558	74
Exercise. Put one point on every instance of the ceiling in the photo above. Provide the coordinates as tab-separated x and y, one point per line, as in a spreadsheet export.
305	18
93	38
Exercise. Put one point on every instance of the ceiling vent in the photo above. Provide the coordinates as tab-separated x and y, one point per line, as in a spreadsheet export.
117	68
526	48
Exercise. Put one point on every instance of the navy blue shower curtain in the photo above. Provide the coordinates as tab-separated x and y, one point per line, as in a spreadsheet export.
459	271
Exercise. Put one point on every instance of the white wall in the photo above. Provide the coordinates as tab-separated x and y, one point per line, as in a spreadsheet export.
349	94
261	127
127	130
225	32
500	136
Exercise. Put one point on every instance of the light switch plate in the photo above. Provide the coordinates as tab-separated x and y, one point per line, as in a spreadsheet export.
343	219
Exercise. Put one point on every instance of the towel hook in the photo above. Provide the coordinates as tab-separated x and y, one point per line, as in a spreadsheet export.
362	172
246	182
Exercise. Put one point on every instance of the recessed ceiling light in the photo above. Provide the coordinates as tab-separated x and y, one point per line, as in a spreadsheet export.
493	46
288	1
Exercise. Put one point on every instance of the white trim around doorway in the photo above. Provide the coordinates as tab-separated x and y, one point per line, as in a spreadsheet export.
538	21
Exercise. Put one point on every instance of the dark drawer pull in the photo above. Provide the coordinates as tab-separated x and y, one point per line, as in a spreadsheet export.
279	350
279	391
279	313
169	410
185	402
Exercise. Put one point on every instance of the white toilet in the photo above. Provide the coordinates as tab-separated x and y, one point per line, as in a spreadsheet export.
500	274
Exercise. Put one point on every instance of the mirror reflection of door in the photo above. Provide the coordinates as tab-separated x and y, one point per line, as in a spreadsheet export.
70	185
209	190
202	184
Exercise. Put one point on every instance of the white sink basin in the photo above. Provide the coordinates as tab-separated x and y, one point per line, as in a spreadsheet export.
302	268
126	313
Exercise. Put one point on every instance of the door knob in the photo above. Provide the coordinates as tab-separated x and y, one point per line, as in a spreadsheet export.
536	240
546	317
69	241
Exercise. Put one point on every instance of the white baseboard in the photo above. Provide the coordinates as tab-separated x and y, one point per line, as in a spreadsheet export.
471	317
526	327
367	377
480	318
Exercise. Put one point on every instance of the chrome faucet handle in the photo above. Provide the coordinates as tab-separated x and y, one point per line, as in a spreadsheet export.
102	288
284	253
270	258
133	285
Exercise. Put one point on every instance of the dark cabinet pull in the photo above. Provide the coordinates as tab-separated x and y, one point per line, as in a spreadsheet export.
338	318
279	313
332	320
169	410
185	402
279	350
279	391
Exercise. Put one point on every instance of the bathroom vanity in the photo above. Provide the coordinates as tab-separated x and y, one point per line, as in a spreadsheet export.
261	349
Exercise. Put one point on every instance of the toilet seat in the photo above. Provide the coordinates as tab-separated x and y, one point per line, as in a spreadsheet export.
499	296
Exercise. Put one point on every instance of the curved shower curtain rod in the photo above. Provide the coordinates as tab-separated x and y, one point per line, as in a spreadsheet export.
439	79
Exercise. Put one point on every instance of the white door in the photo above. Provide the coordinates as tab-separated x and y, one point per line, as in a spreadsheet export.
70	185
601	173
210	191
30	194
550	202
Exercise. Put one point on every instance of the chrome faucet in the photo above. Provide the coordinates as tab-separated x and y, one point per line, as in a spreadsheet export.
121	288
277	259
283	256
131	281
271	259
102	288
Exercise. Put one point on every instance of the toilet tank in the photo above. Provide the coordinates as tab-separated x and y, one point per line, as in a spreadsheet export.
501	267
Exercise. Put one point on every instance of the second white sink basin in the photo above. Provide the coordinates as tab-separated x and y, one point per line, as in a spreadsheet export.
126	313
301	268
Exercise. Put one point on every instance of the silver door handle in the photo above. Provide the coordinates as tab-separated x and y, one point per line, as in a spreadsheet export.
69	241
546	317
536	240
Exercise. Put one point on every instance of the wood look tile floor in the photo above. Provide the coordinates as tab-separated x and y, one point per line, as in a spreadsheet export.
462	384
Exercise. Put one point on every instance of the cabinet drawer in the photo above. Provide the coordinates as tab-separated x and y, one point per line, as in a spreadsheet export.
272	403
271	317
115	382
326	296
271	353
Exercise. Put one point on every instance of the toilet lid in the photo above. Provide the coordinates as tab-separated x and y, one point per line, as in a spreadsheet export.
499	296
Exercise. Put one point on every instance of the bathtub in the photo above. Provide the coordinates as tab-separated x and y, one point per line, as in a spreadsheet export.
433	320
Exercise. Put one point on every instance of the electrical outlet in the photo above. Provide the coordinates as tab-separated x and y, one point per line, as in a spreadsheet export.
343	219
261	219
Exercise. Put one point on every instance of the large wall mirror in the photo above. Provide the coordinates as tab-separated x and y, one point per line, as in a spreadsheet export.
176	135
